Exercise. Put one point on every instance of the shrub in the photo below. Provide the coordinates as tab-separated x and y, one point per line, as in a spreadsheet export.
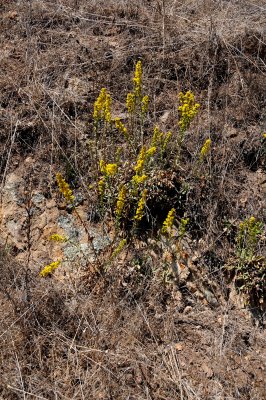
249	266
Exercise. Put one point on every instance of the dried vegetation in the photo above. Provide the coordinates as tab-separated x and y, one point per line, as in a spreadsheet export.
128	333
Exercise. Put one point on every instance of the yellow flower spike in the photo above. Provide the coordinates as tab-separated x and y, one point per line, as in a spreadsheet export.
252	221
188	109
157	137
151	151
139	179
131	102
101	187
99	105
166	140
58	238
137	80
64	188
103	167
48	269
168	223
121	127
264	135
107	108
121	201
102	107
141	204
119	248
111	169
205	149
108	169
145	104
141	160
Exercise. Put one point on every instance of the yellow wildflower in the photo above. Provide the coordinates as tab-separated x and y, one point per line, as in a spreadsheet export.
121	127
102	107
131	103
48	269
101	187
151	151
138	179
264	135
137	80
141	160
145	104
58	238
121	201
108	169
107	108
188	109
111	169
166	140
205	148
99	105
64	188
168	223
141	204
103	167
252	221
119	248
157	136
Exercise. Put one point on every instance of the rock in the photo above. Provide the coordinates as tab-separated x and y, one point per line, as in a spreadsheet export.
187	310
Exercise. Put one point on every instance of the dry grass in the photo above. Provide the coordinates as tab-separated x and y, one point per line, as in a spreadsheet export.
113	339
125	334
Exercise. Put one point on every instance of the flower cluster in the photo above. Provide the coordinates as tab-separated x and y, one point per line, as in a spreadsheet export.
99	105
151	151
58	238
119	248
168	223
121	201
108	169
205	149
166	140
111	169
160	139
139	179
131	103
156	136
102	166
137	80
101	187
121	127
107	108
64	188
141	204
102	107
145	104
141	160
143	156
48	269
188	109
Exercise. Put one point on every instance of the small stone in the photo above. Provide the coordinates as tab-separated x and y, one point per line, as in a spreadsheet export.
187	310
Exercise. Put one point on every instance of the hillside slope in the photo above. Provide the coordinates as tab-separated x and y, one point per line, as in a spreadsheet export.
133	312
